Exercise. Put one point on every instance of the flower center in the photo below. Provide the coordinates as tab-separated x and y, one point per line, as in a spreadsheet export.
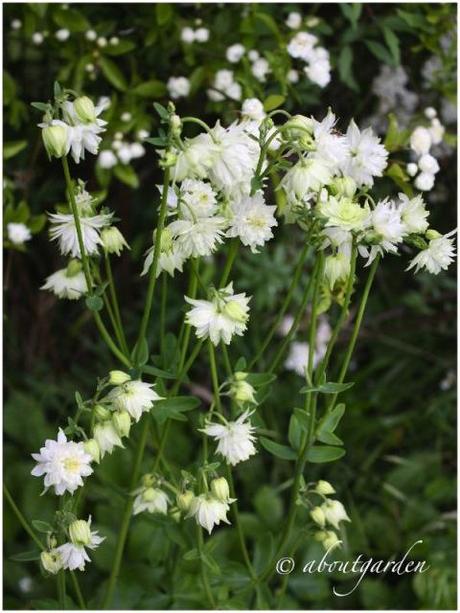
72	465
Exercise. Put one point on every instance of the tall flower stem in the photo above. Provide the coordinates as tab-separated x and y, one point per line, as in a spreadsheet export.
284	306
22	520
356	328
309	403
154	265
76	585
61	589
300	313
86	268
164	300
234	245
204	574
218	405
114	297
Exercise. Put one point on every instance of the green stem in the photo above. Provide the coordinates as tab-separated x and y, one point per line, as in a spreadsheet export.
204	574
154	266
76	585
113	321
86	269
300	313
356	328
282	311
234	246
116	306
164	300
22	520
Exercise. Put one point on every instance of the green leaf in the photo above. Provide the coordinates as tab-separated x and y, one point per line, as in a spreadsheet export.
150	89
140	353
352	12
320	454
273	102
210	563
327	388
270	23
392	42
302	418
380	52
94	303
124	46
162	112
280	451
399	176
261	378
27	556
295	432
192	554
344	65
127	175
164	13
12	148
172	408
158	372
41	526
71	19
112	73
331	420
329	438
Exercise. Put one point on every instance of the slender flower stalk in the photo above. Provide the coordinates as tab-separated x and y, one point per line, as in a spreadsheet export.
116	307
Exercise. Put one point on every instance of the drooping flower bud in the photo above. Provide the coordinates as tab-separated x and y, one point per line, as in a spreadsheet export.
220	489
185	500
122	422
175	124
317	515
85	110
73	268
118	377
432	234
80	533
55	139
242	392
91	446
102	413
113	240
324	488
51	561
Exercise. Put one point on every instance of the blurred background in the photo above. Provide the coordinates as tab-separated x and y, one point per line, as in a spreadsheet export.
398	478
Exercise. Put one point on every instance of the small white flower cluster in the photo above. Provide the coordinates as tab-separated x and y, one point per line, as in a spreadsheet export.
18	233
224	85
260	67
122	152
297	359
178	87
71	555
330	512
304	46
422	140
390	86
189	35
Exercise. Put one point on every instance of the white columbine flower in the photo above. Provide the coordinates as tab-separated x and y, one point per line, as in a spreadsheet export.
197	199
135	397
83	136
221	317
64	231
107	437
171	256
197	238
344	213
368	157
413	213
69	283
252	221
73	554
318	69
334	512
235	438
178	87
307	176
18	233
386	221
208	511
195	159
301	45
252	109
152	500
64	464
330	146
438	255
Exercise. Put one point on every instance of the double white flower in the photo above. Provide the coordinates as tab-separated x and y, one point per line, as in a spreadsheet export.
235	438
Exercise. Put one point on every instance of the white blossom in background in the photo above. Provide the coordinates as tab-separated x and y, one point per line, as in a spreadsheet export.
18	233
187	35
221	317
63	463
225	84
235	438
294	20
107	159
297	359
16	24
135	397
235	52
178	87
37	38
64	231
252	109
318	68
62	35
201	35
260	69
252	221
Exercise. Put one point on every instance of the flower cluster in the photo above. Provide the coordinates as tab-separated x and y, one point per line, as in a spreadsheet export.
329	513
304	46
422	140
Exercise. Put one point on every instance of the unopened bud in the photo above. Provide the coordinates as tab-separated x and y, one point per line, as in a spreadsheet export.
55	138
324	488
242	392
168	159
220	489
92	448
85	110
73	268
317	515
148	480
101	412
51	561
80	533
122	422
240	376
432	234
185	500
118	377
299	128
175	124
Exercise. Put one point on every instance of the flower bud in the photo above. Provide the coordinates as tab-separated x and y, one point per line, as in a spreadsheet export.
80	533
240	376
55	140
299	128
324	488
168	159
185	500
84	109
122	422
118	377
73	268
113	240
102	413
148	480
234	310
92	448
219	487
175	124
344	186
330	540
317	515
51	561
432	234
242	392
166	240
